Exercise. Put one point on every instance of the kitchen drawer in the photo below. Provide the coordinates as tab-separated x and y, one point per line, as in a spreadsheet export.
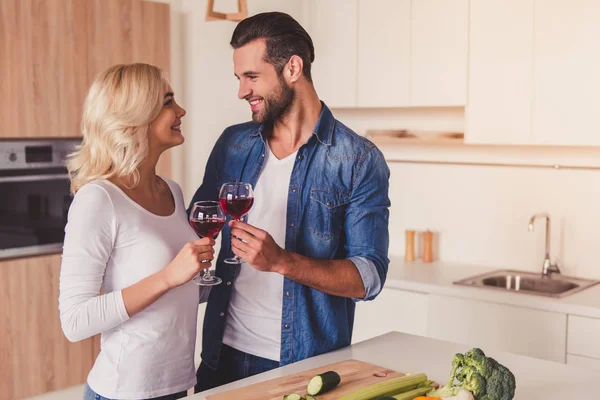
584	362
533	333
583	337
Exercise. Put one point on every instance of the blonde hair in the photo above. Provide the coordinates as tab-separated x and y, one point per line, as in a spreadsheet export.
118	109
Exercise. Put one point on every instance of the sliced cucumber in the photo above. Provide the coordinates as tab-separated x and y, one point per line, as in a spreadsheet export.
293	396
323	383
309	397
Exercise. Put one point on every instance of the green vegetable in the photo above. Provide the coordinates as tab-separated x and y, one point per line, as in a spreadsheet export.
411	394
501	385
389	387
293	396
323	383
309	397
483	376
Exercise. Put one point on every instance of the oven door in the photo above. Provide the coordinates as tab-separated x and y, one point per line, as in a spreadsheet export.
33	211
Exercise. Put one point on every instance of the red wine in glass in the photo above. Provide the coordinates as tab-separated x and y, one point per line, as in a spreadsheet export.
207	219
236	199
207	227
237	208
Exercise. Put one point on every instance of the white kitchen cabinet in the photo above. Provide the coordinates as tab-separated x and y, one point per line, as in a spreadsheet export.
499	109
566	72
584	336
439	52
383	53
389	53
533	333
332	25
392	310
583	362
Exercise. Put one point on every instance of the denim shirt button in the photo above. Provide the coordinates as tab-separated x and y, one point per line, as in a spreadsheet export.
291	225
228	283
286	326
294	190
301	157
222	314
287	294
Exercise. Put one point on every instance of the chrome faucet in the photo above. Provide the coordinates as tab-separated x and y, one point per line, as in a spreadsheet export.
548	268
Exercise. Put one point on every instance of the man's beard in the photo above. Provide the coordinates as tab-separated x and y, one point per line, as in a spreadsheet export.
277	105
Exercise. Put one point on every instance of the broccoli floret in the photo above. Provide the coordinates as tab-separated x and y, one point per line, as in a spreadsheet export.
475	354
474	382
477	359
457	362
501	385
483	376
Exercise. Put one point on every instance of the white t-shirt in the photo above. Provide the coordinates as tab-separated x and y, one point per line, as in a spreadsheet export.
114	242
254	319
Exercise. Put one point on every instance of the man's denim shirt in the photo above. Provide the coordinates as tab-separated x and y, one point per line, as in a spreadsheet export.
338	208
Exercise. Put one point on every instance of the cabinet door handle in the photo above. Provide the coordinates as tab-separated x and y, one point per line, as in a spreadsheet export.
33	178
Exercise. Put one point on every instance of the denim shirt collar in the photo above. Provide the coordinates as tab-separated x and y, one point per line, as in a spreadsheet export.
323	130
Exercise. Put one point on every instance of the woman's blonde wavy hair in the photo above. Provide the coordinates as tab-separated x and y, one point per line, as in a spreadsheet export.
118	109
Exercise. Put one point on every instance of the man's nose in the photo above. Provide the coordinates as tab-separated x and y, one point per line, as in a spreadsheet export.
244	91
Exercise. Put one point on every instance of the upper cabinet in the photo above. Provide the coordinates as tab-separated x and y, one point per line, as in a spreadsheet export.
500	72
141	34
383	53
390	53
332	25
537	82
566	72
439	38
52	49
43	67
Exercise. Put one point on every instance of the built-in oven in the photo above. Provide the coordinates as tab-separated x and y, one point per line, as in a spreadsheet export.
34	196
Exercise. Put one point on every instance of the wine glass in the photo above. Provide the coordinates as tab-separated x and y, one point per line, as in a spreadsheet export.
236	199
207	219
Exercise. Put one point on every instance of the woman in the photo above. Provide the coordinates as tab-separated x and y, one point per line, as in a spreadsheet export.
128	232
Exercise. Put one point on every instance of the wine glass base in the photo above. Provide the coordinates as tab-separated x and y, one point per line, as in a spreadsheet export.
233	261
209	280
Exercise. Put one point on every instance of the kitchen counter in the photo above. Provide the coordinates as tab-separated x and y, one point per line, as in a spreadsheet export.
536	379
437	278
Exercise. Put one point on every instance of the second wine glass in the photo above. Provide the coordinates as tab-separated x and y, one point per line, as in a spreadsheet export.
236	199
207	219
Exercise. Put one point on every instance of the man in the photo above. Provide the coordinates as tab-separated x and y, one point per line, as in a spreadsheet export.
316	239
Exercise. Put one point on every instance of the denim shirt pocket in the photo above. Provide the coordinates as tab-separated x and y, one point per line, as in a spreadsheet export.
326	212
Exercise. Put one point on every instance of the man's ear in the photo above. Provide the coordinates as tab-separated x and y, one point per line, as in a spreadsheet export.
293	69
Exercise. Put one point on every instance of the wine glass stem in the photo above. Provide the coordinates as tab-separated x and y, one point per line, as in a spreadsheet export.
237	258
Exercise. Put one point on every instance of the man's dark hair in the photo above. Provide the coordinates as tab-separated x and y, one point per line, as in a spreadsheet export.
284	38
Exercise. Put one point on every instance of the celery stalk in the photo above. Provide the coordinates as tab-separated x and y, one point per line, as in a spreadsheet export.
387	388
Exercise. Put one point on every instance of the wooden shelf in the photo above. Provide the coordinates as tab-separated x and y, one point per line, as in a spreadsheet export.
400	137
456	152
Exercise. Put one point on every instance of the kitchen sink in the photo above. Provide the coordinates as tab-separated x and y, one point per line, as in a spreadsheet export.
554	285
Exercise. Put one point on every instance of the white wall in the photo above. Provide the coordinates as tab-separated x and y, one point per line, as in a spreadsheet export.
481	214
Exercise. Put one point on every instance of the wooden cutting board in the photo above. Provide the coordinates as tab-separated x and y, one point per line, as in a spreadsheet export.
354	375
